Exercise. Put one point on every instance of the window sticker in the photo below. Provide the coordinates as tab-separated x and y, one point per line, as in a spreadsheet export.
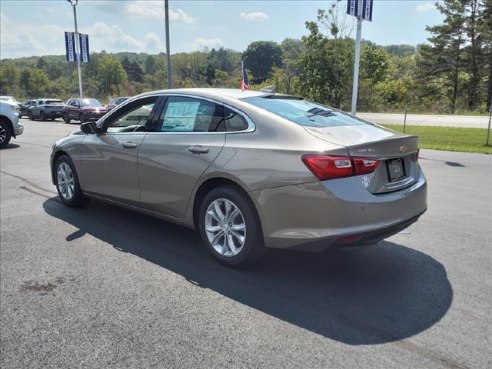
180	116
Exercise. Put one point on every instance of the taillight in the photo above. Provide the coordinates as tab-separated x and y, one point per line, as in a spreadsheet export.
415	156
330	167
364	166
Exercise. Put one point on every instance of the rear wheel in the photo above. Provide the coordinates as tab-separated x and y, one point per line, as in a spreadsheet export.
82	118
230	228
66	118
67	182
31	117
5	134
42	116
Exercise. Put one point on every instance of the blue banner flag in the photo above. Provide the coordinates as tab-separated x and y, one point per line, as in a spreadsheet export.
84	48
71	54
362	8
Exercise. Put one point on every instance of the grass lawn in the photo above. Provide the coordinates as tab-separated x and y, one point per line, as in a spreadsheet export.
449	138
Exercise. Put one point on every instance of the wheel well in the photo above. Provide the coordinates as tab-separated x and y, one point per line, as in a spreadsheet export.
209	185
6	120
55	158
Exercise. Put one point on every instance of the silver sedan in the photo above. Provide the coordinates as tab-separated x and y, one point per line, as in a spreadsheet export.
249	170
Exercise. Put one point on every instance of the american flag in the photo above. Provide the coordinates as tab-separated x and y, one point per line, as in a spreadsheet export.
244	81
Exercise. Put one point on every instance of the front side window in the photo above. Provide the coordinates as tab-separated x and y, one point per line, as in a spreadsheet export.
188	114
133	118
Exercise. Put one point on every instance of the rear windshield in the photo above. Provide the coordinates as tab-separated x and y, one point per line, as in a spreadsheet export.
53	102
302	112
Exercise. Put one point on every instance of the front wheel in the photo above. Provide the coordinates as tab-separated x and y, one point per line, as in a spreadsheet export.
82	118
5	134
230	228
67	182
42	116
31	117
66	118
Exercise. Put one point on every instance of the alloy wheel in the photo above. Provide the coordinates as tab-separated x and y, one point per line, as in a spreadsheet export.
3	134
65	181
225	227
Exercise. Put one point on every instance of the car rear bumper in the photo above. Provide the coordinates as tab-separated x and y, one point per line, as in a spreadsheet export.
315	216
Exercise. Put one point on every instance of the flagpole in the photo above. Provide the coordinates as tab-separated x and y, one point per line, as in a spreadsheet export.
78	52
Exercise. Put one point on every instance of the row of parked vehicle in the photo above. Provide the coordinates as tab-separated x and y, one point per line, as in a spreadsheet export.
81	110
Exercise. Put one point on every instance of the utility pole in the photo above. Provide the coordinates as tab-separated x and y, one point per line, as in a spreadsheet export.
78	52
168	49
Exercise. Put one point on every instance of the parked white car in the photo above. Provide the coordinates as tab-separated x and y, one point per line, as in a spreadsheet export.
10	126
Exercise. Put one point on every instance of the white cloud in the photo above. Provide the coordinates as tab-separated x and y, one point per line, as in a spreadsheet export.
155	9
25	40
153	43
18	40
424	7
254	16
209	43
111	38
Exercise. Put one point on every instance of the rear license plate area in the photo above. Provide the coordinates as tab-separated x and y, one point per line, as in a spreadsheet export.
396	170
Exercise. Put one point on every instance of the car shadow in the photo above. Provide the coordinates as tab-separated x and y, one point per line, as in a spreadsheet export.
11	146
371	296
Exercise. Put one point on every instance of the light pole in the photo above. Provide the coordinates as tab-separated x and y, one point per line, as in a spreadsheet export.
78	52
168	51
355	86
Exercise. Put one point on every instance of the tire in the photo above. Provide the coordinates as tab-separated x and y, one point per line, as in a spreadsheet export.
67	182
66	118
31	117
237	241
5	134
42	117
82	118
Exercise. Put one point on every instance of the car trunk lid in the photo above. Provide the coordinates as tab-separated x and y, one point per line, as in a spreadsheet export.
396	153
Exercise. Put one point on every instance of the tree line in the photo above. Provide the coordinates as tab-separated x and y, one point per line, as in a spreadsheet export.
451	73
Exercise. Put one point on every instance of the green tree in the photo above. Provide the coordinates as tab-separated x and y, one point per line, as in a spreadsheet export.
442	61
326	67
9	79
39	82
486	25
260	57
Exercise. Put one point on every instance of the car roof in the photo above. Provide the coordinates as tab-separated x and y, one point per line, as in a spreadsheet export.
213	92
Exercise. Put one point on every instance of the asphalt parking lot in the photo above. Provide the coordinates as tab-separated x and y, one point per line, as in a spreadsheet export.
105	287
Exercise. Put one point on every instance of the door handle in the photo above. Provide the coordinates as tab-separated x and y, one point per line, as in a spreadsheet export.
129	145
198	149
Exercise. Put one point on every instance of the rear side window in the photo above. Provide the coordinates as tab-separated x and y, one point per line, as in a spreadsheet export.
302	112
234	121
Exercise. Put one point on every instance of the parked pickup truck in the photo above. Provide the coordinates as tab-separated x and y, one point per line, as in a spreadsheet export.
9	122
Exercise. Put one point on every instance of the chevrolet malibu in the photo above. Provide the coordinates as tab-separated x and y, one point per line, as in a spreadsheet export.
249	170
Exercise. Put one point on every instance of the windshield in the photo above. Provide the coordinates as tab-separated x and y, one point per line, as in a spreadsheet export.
302	112
90	102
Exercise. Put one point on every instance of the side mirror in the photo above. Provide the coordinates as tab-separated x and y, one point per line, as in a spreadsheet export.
89	128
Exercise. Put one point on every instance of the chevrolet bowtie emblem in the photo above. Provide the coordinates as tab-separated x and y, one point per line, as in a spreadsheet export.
404	148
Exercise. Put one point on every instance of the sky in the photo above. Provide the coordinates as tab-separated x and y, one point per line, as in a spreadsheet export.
36	27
